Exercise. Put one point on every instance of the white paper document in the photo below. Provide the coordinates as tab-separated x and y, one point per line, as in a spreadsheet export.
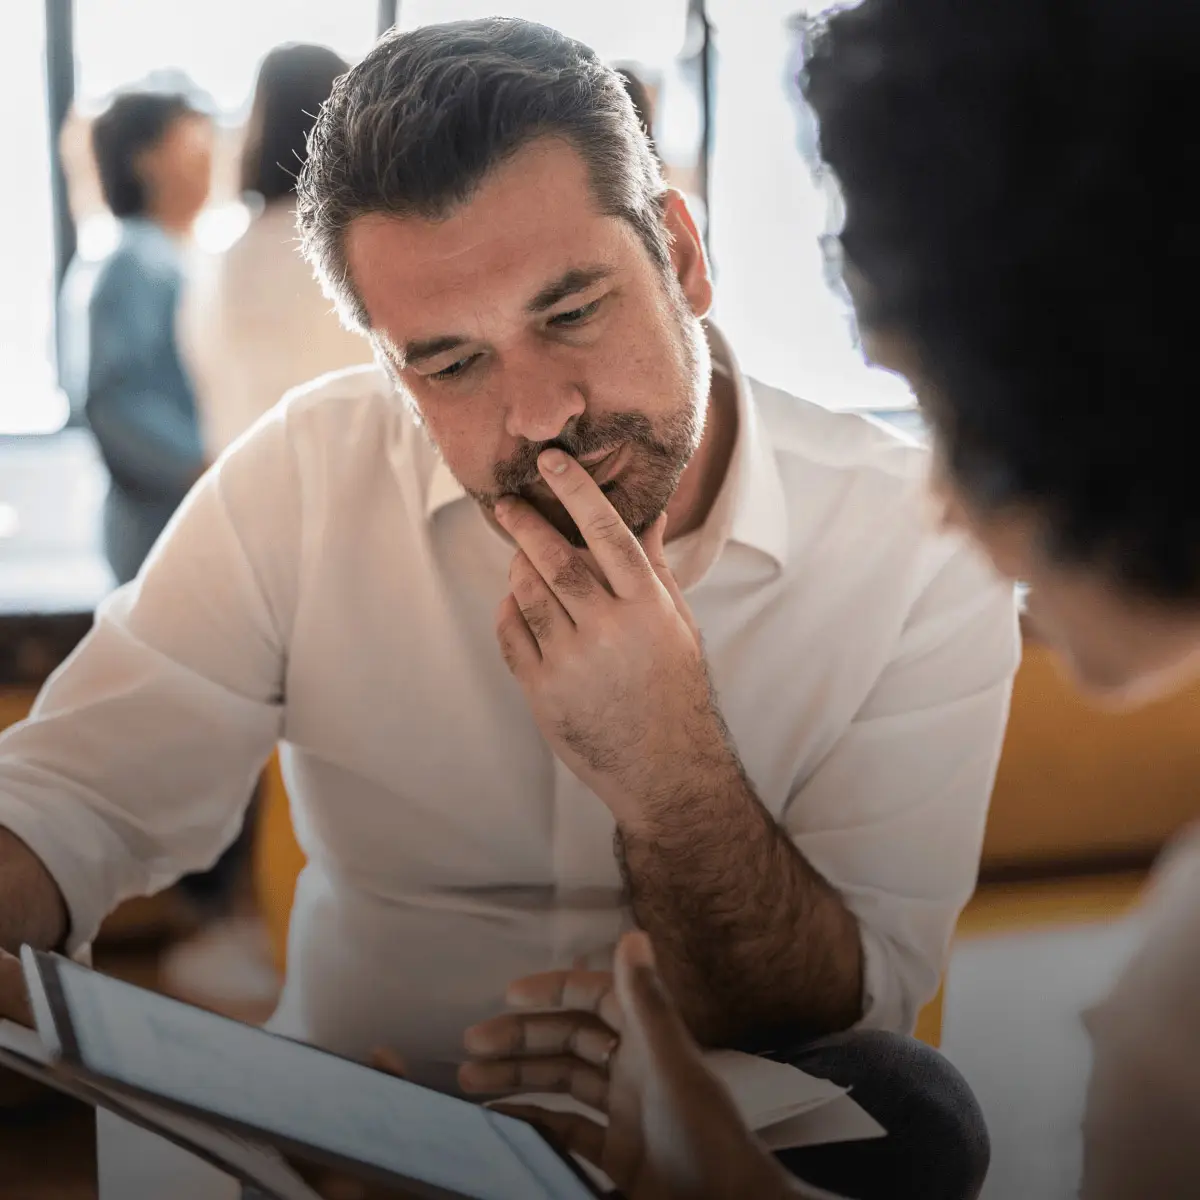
785	1107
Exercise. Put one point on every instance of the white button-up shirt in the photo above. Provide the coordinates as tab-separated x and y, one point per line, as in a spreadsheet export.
329	585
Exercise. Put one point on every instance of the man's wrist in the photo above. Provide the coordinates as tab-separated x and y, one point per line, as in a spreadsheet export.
685	789
32	906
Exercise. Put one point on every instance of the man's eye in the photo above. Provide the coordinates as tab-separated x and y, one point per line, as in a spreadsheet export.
576	316
454	369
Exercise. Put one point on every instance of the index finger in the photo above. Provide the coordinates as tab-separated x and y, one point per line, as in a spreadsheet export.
576	991
617	550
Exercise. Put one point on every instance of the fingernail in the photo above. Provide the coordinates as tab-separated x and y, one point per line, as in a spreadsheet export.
468	1079
553	462
502	507
473	1043
515	996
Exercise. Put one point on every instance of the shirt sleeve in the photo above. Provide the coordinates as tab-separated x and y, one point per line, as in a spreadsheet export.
1141	1130
139	404
894	815
140	756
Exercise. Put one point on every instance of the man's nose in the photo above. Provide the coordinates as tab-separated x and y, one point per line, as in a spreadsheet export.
539	409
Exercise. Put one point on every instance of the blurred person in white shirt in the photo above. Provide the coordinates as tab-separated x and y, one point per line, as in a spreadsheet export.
467	587
254	322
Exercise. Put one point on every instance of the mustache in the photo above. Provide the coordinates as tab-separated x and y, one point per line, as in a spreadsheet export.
580	437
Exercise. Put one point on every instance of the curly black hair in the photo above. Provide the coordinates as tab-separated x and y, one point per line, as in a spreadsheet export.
1019	179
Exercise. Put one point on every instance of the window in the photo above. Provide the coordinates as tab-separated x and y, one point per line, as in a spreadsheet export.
649	32
30	401
777	297
119	42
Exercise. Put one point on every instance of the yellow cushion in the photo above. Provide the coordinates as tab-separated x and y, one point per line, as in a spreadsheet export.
1078	784
929	1020
278	860
15	703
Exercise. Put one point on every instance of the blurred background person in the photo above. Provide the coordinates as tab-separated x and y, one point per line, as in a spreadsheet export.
121	366
254	321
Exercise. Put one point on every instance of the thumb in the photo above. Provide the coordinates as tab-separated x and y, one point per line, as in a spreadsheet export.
649	1013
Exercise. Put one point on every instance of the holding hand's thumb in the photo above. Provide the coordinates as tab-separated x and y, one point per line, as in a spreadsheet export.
649	1012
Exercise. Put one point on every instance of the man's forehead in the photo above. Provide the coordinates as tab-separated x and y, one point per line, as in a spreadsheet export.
541	191
534	221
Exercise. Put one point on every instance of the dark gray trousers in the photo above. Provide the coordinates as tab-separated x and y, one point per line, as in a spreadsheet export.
937	1146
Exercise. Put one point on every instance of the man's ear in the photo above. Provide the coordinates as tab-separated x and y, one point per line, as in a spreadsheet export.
688	257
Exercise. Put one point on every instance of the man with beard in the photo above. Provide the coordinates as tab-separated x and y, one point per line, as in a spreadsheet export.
792	807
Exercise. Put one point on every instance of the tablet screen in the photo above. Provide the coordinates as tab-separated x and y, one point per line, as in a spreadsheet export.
300	1094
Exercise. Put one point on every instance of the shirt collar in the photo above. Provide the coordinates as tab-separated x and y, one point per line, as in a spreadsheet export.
752	490
758	503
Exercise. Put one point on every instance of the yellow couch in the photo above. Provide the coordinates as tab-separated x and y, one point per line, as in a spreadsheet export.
14	705
1079	786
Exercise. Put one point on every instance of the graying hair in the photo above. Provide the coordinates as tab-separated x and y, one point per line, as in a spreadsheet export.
415	128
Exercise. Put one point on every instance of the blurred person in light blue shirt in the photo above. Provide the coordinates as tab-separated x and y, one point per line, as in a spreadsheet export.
122	368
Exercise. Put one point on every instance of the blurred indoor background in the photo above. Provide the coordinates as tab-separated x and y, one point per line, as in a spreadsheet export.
1084	799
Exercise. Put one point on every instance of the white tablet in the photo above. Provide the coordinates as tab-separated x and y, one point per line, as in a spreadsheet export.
309	1103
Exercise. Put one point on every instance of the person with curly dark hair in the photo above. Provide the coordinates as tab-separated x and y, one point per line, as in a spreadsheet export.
1020	238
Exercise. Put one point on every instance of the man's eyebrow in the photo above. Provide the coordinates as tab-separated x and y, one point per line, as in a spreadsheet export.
412	353
578	279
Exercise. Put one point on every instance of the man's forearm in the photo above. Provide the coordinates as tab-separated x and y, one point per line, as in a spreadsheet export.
32	908
749	937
